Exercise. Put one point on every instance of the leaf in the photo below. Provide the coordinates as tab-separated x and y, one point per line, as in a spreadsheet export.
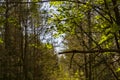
56	3
73	30
31	45
118	70
49	46
12	20
1	41
105	38
56	35
35	0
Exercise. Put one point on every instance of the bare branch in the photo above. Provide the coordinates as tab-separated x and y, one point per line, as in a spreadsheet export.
91	51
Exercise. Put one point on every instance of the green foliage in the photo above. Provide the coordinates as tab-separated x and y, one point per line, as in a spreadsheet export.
2	20
56	35
73	20
99	1
2	9
65	18
118	70
105	38
87	25
49	46
35	0
1	41
56	3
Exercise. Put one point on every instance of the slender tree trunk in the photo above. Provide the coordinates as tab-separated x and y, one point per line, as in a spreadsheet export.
86	67
116	11
89	44
7	42
117	16
113	72
25	59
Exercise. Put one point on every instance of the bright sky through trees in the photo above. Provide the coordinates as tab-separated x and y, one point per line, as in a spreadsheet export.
57	41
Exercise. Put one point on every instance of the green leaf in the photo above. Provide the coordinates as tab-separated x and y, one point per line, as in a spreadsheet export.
1	41
56	3
35	0
118	70
73	30
56	35
49	46
105	38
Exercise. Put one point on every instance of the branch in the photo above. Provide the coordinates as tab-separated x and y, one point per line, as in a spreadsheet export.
91	51
41	1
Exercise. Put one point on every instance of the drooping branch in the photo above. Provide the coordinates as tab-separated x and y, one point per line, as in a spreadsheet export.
91	51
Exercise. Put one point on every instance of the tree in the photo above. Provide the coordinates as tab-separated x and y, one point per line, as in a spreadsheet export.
94	24
23	54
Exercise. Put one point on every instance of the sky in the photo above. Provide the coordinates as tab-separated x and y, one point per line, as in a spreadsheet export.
56	41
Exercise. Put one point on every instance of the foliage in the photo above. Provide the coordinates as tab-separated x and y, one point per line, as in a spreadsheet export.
86	25
90	25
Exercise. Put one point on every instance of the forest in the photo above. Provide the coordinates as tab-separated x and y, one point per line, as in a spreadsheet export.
59	39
